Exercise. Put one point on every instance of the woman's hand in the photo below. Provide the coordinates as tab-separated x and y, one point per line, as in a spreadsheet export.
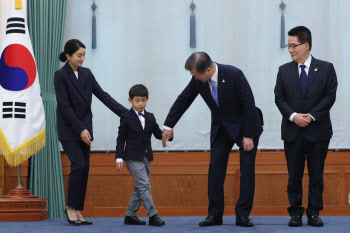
85	135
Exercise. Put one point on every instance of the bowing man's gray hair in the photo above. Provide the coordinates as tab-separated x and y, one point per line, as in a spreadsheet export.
199	61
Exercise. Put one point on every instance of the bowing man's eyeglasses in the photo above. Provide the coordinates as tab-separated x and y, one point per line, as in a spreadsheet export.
293	46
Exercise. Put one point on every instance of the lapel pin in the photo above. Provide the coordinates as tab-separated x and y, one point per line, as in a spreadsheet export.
315	69
223	80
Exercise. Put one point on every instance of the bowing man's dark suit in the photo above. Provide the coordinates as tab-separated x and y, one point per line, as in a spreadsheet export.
313	140
235	117
74	115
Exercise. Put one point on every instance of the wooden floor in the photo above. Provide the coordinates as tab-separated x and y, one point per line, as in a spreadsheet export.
179	184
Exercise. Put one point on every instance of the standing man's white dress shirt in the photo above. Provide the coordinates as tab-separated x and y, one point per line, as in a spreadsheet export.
307	64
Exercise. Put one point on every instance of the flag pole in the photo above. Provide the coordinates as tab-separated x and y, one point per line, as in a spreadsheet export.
18	6
19	177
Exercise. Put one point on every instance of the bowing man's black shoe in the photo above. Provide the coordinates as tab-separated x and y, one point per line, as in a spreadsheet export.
85	222
156	221
244	221
133	220
211	221
75	222
314	221
295	221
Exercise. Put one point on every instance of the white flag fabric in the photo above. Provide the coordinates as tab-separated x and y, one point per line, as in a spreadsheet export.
22	117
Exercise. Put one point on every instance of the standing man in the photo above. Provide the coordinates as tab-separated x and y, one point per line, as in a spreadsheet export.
235	119
304	93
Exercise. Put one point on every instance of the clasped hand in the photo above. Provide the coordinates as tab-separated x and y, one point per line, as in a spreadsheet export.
167	134
302	120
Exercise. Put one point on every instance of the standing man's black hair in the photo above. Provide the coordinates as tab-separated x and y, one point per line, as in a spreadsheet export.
303	34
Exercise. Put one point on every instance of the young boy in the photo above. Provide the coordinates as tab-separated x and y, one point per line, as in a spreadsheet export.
134	146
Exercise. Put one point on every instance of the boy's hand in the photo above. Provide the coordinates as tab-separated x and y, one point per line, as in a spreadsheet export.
119	166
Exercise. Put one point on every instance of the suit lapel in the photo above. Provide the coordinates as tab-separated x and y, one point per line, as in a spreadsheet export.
147	121
75	81
207	94
136	119
295	78
220	84
311	75
81	81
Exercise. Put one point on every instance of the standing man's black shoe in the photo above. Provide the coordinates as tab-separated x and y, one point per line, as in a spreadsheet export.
156	221
314	221
243	221
211	221
133	220
295	221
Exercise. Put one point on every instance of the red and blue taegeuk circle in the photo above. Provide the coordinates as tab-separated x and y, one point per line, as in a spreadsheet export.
17	68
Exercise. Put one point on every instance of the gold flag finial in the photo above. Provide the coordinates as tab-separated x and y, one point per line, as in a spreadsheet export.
18	4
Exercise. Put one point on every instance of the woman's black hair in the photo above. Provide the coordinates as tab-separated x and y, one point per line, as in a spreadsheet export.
70	47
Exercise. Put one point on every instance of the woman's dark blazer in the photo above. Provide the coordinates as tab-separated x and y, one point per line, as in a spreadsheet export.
74	97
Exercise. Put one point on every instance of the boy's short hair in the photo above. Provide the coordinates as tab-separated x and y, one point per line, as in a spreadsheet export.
138	90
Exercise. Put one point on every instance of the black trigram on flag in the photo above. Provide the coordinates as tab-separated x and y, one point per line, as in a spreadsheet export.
18	110
15	25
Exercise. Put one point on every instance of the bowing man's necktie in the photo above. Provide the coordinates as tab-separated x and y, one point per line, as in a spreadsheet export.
141	114
303	77
214	92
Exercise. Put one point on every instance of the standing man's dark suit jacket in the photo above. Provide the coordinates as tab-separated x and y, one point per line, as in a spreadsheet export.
74	102
236	111
319	97
133	141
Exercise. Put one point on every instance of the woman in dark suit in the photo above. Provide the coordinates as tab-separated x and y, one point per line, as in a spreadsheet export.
74	86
